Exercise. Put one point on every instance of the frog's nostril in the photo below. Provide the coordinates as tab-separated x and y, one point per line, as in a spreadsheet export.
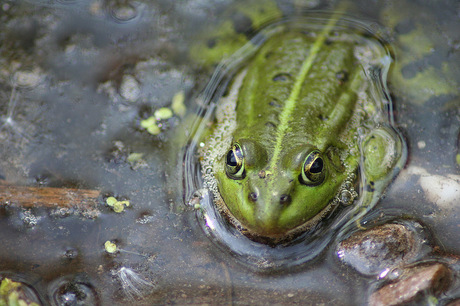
285	199
253	196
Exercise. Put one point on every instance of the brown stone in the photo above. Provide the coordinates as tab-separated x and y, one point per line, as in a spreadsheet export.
454	303
383	247
415	282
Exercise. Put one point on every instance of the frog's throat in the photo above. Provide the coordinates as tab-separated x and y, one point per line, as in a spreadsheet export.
290	103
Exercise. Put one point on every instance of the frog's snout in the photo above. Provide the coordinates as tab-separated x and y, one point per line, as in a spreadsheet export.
268	206
284	199
269	193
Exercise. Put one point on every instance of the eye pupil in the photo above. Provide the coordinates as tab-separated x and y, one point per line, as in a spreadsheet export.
234	163
317	166
231	159
313	169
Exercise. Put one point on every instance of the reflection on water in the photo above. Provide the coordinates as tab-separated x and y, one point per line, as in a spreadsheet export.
64	122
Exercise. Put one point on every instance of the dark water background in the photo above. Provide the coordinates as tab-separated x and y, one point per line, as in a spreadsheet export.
64	123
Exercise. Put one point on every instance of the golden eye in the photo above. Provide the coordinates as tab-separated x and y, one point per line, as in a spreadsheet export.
313	169
234	166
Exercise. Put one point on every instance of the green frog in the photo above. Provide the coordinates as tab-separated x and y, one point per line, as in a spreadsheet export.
302	123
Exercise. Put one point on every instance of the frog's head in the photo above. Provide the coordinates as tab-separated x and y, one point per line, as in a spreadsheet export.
275	200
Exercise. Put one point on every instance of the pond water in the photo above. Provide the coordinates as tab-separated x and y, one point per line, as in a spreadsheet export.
79	79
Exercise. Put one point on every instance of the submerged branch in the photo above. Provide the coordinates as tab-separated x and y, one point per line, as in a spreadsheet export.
52	197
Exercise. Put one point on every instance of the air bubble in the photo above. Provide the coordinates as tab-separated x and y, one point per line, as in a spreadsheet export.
346	197
75	293
123	13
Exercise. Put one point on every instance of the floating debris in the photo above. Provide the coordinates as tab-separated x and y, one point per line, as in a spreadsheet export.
148	122
178	105
136	161
110	247
135	157
117	206
163	113
132	283
111	201
12	293
151	126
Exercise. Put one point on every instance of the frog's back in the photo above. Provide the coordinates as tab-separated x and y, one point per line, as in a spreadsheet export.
270	80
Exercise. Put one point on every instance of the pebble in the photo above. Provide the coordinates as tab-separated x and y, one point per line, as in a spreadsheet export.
415	283
129	88
440	190
28	78
421	144
379	249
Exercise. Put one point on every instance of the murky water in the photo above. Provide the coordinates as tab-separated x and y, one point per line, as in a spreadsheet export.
77	79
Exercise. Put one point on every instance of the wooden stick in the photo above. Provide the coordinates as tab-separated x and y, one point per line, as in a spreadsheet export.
48	197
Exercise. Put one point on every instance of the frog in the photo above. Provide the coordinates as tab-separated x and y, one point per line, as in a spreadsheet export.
300	126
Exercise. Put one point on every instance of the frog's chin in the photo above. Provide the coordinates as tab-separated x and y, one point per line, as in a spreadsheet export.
271	238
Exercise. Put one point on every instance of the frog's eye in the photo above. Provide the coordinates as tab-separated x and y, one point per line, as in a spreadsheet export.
313	169
235	163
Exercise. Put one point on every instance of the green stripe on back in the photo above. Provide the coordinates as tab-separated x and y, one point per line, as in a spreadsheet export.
290	104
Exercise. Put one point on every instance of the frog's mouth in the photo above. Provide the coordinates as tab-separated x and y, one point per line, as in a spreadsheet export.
273	239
